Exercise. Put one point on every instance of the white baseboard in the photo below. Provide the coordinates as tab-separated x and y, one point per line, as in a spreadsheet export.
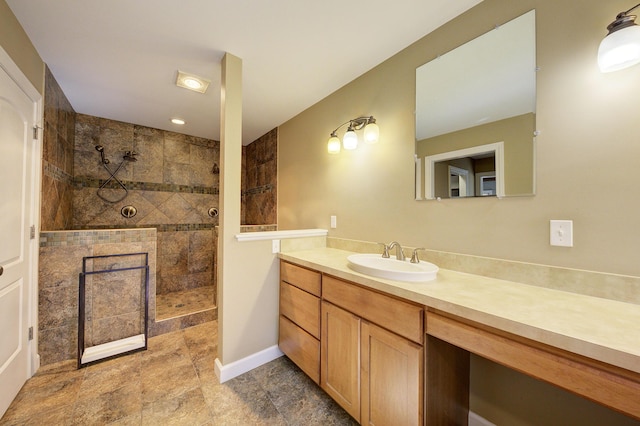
241	366
35	364
476	420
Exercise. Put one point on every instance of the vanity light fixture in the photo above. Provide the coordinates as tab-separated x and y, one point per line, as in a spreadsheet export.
350	138
192	82
621	47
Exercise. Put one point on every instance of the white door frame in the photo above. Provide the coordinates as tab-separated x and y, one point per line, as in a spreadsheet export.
10	67
496	148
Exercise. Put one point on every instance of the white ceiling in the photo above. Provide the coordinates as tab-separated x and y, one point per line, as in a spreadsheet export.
118	59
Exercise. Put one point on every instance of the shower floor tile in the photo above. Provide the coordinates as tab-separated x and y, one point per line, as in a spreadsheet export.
172	383
185	302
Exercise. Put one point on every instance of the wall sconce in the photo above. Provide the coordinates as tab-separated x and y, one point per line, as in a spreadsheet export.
350	139
621	47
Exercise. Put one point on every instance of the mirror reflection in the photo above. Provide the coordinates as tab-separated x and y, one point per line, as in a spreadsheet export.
473	176
478	95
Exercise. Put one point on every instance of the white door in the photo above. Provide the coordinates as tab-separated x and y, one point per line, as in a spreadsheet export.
17	195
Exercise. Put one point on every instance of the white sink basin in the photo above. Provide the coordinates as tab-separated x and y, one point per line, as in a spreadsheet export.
391	268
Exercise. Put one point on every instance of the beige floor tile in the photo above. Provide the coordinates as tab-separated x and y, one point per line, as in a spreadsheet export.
56	416
206	369
113	374
201	340
188	408
172	383
165	350
109	406
172	380
45	392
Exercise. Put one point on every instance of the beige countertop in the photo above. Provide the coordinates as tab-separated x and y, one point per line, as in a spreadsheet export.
601	329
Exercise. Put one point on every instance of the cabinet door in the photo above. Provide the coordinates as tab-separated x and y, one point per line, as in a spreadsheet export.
340	357
391	378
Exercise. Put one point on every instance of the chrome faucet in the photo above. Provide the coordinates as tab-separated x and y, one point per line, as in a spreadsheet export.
385	250
414	256
399	252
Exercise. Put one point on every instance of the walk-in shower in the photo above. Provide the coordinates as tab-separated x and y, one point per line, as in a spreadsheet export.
113	183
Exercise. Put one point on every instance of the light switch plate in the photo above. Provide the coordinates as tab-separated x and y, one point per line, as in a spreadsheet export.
561	233
334	222
275	246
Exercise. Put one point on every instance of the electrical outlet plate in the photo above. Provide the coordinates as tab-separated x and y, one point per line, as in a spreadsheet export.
561	233
334	222
275	246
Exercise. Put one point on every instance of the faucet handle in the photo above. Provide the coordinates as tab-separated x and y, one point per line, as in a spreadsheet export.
385	250
414	256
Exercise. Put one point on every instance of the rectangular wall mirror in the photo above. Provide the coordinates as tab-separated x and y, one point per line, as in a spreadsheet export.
476	116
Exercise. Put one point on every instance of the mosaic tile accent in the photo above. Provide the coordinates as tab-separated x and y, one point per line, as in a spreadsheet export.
84	238
258	228
87	182
56	173
170	227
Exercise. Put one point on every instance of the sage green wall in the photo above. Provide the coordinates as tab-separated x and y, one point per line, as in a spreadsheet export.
15	42
586	150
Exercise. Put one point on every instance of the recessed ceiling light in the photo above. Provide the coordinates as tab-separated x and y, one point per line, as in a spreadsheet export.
192	82
179	121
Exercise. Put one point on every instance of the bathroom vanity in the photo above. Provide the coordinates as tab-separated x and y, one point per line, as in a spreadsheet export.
393	352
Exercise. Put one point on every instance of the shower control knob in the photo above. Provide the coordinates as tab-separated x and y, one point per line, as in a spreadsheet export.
213	212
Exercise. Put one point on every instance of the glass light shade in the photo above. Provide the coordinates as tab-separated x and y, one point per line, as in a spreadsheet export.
371	133
620	49
193	83
333	146
350	140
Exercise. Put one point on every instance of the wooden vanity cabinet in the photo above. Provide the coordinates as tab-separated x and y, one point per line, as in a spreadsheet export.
299	332
364	348
371	354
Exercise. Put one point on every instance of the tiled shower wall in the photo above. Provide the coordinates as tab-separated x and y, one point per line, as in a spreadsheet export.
109	314
259	180
172	185
57	158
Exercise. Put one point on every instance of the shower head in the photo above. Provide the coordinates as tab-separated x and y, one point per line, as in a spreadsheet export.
130	156
100	149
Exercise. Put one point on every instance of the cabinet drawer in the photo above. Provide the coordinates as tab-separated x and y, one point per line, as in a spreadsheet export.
300	307
401	317
300	277
301	348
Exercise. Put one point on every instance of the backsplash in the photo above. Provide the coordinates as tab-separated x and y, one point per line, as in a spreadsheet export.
607	286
